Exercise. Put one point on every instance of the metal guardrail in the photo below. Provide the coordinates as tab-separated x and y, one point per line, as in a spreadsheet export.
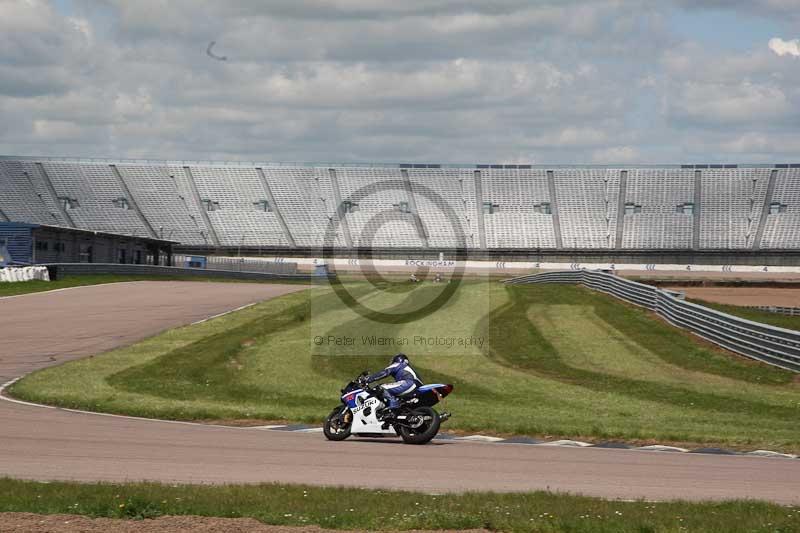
769	344
239	264
786	311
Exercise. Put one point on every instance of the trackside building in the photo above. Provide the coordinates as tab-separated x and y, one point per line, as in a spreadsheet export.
28	244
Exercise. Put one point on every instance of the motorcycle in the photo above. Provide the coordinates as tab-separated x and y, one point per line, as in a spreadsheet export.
364	414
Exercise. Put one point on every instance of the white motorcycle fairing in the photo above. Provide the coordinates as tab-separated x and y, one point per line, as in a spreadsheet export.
365	414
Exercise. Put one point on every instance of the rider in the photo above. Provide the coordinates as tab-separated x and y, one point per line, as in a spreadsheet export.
405	380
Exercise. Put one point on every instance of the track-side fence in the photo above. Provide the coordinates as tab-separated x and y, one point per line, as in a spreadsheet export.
786	311
770	344
240	264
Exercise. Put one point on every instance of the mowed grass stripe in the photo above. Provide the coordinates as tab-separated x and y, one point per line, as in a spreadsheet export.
553	365
605	371
602	348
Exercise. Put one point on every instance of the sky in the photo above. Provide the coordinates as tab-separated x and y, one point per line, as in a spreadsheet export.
437	81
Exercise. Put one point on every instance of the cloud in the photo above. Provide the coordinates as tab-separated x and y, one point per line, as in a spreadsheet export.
729	104
784	48
616	155
552	81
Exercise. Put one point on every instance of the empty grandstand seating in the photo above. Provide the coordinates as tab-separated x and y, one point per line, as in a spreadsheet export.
23	197
91	191
445	199
516	222
730	208
411	206
652	219
164	203
782	229
381	214
304	202
234	199
587	206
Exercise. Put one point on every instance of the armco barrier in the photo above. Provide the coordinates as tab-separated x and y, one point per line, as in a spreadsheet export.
787	311
59	270
770	344
241	264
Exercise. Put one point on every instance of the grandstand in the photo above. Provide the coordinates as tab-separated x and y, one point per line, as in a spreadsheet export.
482	208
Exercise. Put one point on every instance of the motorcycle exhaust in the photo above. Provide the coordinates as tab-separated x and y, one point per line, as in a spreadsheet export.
444	416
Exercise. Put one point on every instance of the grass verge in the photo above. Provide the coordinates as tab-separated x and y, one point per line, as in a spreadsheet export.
358	509
557	361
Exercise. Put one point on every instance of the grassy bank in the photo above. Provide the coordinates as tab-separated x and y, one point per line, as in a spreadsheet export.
556	361
370	509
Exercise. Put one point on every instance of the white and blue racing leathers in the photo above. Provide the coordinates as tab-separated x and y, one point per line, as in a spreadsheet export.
405	381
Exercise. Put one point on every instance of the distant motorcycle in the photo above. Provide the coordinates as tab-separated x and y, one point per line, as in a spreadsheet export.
364	414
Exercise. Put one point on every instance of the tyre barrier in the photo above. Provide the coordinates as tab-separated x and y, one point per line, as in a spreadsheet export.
13	274
769	344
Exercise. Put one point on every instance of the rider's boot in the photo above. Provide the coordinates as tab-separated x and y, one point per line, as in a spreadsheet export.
391	406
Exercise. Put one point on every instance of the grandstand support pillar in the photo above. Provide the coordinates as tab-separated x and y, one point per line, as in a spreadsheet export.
412	202
698	197
203	213
337	198
762	222
276	208
124	186
52	190
623	193
479	209
551	187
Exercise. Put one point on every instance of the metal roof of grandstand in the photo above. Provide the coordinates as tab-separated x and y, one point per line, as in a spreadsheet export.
478	166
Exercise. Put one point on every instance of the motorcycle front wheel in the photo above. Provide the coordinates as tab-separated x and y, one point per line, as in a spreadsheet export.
423	425
338	424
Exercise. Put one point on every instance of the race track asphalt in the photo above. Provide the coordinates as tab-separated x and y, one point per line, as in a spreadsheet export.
49	443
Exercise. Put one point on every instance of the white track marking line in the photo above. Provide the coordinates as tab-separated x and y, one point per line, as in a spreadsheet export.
770	453
225	313
571	443
662	448
479	438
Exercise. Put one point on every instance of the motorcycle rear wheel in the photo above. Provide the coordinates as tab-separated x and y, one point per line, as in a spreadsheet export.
425	432
333	429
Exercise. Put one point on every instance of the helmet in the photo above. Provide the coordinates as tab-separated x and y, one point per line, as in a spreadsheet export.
400	358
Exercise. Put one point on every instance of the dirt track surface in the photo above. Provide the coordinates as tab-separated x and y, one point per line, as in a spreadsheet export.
745	296
36	523
711	276
47	443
